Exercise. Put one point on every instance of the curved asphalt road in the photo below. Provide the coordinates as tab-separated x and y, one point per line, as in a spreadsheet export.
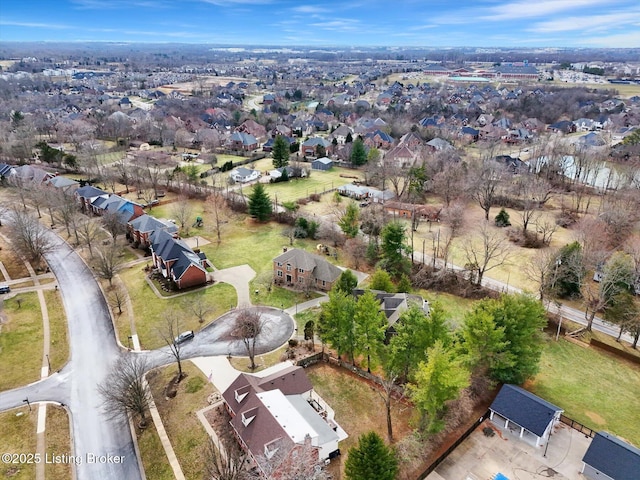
94	348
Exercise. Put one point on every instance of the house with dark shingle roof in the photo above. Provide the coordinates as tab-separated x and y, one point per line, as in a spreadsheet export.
87	195
140	229
125	210
299	268
63	183
610	458
176	261
524	413
280	413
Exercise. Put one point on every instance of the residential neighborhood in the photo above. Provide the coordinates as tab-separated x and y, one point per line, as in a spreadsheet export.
297	263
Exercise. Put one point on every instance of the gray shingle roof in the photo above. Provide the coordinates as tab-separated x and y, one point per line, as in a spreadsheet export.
524	408
613	457
322	270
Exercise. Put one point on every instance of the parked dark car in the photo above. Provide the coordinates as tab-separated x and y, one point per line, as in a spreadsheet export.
184	336
4	289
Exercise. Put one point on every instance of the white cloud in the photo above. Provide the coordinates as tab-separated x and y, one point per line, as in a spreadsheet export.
586	23
531	9
309	9
34	24
233	3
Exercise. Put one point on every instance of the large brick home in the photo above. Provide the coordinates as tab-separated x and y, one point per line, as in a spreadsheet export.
176	261
276	417
298	268
140	229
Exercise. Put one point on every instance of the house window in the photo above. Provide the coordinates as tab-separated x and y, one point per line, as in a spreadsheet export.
324	284
300	279
300	270
288	267
279	264
280	273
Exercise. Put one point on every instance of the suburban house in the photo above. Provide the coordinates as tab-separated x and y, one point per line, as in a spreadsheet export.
243	141
87	195
401	156
65	184
291	172
6	171
124	209
244	175
409	210
176	261
610	458
378	139
276	417
323	163
310	145
300	268
524	413
140	229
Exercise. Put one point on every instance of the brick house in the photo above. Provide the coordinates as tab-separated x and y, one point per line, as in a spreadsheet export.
303	269
140	229
87	195
275	417
176	261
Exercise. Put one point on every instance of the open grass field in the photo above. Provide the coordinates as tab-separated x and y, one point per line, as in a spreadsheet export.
359	408
21	341
58	440
187	435
18	435
252	243
318	182
594	388
155	462
59	344
150	311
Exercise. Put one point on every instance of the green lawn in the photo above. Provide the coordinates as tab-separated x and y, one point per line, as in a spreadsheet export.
318	182
455	307
21	341
18	435
252	243
187	435
594	388
155	462
150	311
59	345
58	440
279	297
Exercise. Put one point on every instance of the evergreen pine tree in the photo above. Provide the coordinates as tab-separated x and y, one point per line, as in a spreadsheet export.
371	459
259	203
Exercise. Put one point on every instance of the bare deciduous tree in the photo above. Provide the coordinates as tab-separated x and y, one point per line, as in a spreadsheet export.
182	210
89	230
125	391
117	298
112	223
29	237
248	327
168	333
107	262
485	252
229	465
541	269
199	307
484	181
217	204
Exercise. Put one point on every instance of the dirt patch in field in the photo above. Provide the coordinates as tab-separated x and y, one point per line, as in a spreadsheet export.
595	418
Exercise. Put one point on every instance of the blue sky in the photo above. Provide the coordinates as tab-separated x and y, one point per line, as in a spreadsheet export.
479	23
